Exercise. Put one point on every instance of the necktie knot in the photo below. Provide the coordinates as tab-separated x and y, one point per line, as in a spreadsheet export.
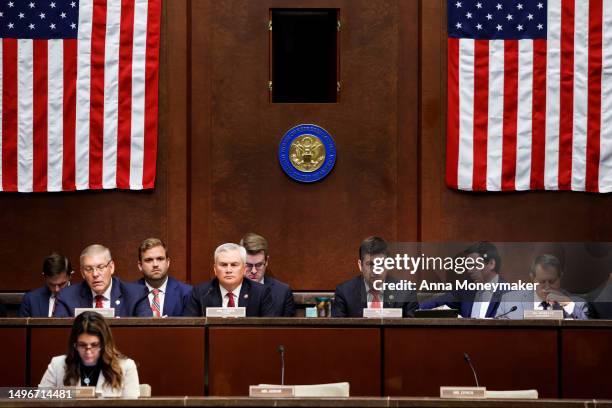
375	299
230	302
156	292
99	301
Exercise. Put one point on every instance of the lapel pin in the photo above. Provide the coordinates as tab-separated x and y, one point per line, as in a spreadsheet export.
246	296
390	297
117	302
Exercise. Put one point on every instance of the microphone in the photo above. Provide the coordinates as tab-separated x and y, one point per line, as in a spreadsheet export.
203	302
467	360
512	309
281	351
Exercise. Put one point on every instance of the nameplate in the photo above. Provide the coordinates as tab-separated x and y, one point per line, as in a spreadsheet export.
393	312
543	314
104	311
271	391
311	312
463	392
85	392
225	311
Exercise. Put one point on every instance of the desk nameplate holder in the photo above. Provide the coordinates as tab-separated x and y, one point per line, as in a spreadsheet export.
463	392
226	312
104	311
543	314
393	312
271	391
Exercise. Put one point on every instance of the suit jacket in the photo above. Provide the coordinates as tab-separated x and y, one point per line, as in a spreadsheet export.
464	301
524	300
282	297
128	299
35	303
350	299
54	378
254	296
176	297
601	306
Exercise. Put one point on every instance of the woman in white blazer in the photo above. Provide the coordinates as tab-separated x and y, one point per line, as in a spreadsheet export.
93	360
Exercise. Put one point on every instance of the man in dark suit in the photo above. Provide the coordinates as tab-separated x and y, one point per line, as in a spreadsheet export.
167	296
101	290
363	292
256	265
476	304
40	302
229	288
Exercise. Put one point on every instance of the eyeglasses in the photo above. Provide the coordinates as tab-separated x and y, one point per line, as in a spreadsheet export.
99	268
259	266
83	347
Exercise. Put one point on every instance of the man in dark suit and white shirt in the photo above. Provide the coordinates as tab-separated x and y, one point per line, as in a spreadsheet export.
229	288
100	289
256	265
356	294
167	296
40	302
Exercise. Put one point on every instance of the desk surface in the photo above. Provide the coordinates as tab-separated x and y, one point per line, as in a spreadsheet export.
306	402
305	322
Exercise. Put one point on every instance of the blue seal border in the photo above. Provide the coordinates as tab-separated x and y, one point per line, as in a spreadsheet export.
330	153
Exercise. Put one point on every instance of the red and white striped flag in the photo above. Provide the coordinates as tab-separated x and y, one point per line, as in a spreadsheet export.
79	94
529	95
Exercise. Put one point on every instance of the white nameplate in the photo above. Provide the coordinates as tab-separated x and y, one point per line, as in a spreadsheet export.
543	314
393	312
463	392
226	311
271	391
85	392
104	311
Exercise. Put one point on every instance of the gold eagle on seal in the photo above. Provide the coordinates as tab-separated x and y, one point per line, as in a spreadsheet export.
307	153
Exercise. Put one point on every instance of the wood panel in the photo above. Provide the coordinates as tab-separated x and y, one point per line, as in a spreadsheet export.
240	357
451	215
419	360
13	360
170	359
237	183
586	363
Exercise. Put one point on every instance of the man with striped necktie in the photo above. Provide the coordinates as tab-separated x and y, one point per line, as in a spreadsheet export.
167	296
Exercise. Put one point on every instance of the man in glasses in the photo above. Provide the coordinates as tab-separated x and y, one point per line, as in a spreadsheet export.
40	302
100	289
256	265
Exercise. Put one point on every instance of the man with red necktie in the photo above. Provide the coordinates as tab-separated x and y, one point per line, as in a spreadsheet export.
356	294
229	288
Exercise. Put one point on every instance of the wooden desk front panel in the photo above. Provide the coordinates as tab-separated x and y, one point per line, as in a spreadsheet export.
243	356
587	363
13	360
170	359
420	360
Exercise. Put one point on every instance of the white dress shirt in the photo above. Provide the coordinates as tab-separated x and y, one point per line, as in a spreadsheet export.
161	295
225	298
51	304
537	305
482	301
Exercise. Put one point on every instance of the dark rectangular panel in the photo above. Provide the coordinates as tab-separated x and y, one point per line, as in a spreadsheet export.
13	357
45	343
587	363
240	357
304	55
169	359
420	360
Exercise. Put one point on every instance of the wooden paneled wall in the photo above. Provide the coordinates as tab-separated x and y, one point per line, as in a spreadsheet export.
218	173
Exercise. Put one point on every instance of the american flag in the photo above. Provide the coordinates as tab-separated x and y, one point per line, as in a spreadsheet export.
529	95
78	94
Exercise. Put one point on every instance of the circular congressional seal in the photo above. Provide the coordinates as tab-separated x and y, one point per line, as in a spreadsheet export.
307	153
